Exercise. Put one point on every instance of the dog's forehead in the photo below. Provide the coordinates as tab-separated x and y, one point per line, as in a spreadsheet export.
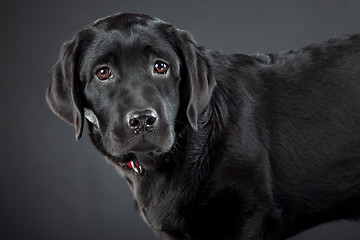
132	37
130	29
126	21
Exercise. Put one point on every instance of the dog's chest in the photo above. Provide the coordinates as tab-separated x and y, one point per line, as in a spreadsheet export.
158	206
159	214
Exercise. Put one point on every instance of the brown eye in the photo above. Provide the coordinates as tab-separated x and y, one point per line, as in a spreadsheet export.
161	67
104	73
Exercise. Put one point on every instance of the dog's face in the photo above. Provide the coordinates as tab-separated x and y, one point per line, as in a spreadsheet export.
129	76
131	81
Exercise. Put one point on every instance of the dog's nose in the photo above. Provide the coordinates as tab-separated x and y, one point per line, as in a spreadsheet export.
142	121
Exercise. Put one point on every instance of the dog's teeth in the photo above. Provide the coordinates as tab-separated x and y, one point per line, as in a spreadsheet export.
133	165
137	168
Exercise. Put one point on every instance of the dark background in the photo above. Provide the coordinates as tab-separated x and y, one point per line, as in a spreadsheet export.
54	188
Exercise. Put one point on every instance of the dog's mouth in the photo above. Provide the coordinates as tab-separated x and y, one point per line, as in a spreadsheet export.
138	159
128	162
132	166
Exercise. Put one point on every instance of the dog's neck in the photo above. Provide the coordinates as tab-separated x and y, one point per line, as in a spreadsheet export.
181	182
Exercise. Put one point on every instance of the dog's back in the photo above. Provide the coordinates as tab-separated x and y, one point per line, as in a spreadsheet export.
312	105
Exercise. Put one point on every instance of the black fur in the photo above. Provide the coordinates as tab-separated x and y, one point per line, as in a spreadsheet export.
244	146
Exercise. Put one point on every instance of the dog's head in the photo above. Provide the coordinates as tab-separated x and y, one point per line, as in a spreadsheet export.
129	75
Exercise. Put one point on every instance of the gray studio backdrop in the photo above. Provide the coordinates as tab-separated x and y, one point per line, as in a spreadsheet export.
54	188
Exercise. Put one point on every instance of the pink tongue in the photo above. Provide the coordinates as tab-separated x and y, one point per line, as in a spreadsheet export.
129	165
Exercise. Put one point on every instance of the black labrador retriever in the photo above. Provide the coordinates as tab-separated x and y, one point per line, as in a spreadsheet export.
215	145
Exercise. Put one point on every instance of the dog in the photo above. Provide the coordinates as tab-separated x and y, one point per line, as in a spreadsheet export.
216	145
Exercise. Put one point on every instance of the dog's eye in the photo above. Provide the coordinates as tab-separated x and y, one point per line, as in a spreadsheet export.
161	68
104	73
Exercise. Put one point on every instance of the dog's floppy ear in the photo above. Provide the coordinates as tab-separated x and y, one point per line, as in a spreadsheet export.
197	72
63	92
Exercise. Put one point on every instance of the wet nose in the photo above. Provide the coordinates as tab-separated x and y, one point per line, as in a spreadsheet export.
142	121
